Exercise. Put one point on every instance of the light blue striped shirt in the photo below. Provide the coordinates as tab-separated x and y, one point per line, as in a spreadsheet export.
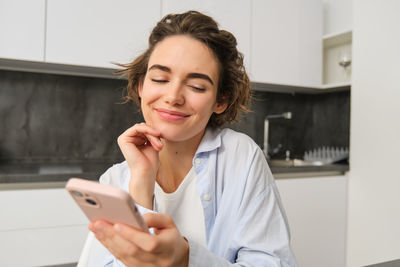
244	218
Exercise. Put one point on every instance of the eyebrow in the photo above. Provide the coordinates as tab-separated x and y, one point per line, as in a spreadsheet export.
190	75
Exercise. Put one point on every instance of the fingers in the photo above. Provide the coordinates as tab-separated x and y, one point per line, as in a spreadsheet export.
143	240
164	227
154	141
142	127
139	134
120	246
113	242
136	248
158	220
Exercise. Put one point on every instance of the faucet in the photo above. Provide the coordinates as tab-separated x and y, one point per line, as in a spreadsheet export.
286	115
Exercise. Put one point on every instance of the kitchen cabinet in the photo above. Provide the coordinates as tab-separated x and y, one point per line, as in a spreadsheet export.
96	33
40	227
337	42
316	208
49	228
338	16
231	15
280	40
22	27
286	42
337	59
374	178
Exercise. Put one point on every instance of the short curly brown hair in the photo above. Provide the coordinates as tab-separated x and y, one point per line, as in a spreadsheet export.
234	85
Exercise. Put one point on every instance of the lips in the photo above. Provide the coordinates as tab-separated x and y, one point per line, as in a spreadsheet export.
171	115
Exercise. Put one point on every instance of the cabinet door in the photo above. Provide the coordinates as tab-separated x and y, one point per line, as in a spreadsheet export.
98	32
337	16
43	225
286	43
231	15
22	24
316	209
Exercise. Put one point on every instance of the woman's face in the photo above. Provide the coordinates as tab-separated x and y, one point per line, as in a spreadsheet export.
179	91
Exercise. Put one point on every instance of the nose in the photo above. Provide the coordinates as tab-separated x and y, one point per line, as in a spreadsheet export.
173	95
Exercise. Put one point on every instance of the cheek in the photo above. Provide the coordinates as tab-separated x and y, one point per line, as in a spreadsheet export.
148	94
203	105
146	101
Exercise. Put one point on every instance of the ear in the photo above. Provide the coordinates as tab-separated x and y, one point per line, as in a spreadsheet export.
220	107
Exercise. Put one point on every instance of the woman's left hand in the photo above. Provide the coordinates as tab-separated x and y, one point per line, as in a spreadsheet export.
137	248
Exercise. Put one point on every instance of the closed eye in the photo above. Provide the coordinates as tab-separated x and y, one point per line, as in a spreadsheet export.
200	89
159	81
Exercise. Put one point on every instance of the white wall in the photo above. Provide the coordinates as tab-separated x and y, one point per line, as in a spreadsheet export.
374	179
337	16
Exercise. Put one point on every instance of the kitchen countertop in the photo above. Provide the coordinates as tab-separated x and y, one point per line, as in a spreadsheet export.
282	172
54	175
37	175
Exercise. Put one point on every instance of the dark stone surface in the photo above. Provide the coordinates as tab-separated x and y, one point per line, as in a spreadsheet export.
317	120
48	118
57	118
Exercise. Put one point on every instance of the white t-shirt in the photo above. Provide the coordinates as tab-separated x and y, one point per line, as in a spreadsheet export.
184	206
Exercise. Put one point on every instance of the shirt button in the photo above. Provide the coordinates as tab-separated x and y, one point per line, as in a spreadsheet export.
197	161
207	197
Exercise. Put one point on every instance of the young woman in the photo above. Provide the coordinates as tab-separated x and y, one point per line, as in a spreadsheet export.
208	193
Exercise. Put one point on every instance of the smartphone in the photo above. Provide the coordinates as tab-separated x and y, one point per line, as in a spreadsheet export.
100	201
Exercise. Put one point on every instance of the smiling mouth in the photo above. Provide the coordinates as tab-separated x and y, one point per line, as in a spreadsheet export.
170	115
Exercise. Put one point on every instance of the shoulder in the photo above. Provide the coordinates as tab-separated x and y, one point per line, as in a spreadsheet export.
239	149
242	157
117	175
235	141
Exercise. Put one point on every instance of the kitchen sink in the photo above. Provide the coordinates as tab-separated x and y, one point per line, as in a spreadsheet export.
294	163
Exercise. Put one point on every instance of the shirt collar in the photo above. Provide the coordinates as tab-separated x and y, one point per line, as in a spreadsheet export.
211	140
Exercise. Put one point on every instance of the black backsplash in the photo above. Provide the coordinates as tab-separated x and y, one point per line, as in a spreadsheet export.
317	120
47	117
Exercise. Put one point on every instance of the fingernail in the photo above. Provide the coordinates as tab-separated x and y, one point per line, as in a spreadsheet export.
99	226
118	228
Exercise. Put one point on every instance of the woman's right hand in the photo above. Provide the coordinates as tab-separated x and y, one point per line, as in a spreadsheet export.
140	146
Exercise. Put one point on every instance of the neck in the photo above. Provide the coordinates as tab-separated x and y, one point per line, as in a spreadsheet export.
176	161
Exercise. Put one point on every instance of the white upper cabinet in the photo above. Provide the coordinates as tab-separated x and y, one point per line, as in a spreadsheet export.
98	32
22	24
231	15
338	16
280	40
286	42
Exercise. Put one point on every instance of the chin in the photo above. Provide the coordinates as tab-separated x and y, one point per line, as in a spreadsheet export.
174	133
169	132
